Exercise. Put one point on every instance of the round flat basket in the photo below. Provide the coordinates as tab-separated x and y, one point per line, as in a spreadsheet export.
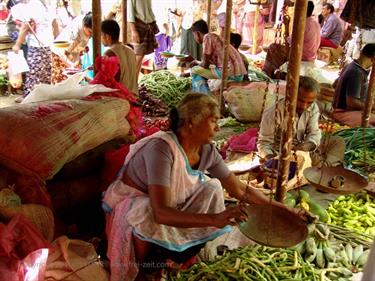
273	226
61	44
321	179
167	54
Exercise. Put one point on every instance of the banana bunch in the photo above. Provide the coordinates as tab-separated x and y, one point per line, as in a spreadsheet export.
353	258
318	247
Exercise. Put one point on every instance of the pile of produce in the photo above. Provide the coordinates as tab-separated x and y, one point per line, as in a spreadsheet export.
151	106
360	149
329	127
302	199
165	86
3	65
325	248
255	263
354	211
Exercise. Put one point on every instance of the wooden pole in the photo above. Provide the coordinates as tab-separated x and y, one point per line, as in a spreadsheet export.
369	99
255	29
228	20
96	22
274	11
209	6
291	97
124	21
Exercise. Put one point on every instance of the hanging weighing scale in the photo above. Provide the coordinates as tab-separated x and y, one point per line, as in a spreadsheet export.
273	225
335	180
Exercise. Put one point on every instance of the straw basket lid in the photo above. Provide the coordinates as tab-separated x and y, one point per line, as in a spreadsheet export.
40	216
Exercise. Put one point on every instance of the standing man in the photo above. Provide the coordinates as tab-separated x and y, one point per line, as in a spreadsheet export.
331	33
127	73
143	29
351	89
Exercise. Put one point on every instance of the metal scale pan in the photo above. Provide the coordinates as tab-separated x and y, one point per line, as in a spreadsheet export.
321	178
273	226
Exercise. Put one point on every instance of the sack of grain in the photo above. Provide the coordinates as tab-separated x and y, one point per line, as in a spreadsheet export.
245	103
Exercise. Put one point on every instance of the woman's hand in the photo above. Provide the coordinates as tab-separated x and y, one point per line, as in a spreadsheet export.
305	215
231	215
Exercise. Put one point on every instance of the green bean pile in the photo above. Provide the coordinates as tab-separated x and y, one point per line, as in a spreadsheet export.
166	86
254	263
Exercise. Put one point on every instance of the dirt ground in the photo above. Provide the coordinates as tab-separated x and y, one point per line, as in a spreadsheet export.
8	100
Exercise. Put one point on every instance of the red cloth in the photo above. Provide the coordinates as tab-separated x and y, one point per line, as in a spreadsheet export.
324	42
108	67
244	142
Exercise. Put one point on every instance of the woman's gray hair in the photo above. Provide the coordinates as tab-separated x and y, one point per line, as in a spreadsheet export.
193	107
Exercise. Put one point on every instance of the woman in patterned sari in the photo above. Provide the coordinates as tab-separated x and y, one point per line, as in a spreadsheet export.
163	205
37	30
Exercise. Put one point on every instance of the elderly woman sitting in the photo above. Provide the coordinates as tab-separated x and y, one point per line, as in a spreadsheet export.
162	202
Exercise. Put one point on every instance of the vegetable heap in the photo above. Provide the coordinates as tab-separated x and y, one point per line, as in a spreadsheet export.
303	200
360	148
253	263
325	248
151	106
354	211
165	86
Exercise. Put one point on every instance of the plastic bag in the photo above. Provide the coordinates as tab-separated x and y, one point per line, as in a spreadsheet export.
67	89
23	251
17	63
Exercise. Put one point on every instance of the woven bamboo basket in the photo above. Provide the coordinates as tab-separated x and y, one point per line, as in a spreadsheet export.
40	216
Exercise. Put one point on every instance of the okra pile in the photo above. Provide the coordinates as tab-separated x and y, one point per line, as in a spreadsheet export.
354	211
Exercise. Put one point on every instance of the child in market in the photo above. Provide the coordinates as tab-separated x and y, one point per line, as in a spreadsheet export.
235	41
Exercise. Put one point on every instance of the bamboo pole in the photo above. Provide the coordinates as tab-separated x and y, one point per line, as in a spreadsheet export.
209	7
369	99
291	97
96	21
228	20
255	29
124	21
